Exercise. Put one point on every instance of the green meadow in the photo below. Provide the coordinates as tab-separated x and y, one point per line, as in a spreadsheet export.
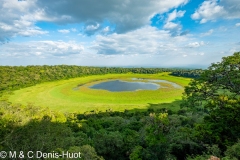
74	95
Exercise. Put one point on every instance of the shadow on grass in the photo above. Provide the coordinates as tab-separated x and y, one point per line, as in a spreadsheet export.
170	108
174	106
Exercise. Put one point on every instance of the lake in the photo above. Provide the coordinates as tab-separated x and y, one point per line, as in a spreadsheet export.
120	86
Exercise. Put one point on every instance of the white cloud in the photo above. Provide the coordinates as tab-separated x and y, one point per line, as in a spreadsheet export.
19	19
174	27
43	49
147	40
195	44
232	7
211	10
92	27
32	32
208	11
171	25
208	33
125	15
175	14
155	46
64	31
106	29
147	46
133	40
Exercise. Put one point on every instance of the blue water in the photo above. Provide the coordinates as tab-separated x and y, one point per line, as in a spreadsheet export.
118	86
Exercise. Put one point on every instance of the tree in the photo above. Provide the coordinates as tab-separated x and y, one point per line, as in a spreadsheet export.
156	138
44	135
217	91
233	152
87	152
109	144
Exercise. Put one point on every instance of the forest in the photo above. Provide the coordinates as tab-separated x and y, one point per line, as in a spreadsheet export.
207	124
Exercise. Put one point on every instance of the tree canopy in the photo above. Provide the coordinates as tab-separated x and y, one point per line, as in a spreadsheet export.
217	91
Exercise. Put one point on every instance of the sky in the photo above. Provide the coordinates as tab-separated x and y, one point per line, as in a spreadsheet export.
124	33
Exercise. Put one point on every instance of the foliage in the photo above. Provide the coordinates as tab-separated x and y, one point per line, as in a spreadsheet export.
190	73
217	91
87	152
233	152
108	135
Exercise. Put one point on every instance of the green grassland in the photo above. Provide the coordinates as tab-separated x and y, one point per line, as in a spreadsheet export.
64	95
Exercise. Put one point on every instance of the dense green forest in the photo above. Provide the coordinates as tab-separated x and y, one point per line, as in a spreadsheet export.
208	122
190	73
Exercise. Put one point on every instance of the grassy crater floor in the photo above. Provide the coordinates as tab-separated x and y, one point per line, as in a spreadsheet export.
65	97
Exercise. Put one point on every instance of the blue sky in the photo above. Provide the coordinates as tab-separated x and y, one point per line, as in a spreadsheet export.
138	33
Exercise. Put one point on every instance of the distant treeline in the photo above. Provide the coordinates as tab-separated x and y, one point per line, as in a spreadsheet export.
194	73
16	77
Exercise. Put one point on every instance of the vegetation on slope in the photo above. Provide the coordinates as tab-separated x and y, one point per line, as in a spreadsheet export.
208	124
190	73
218	91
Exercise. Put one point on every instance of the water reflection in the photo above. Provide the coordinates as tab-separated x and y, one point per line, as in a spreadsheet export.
159	81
